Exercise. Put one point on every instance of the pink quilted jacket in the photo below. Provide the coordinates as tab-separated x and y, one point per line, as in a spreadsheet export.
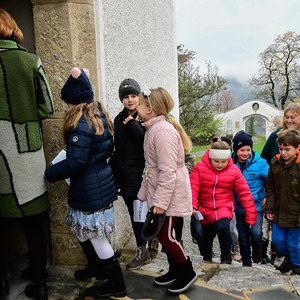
166	181
212	191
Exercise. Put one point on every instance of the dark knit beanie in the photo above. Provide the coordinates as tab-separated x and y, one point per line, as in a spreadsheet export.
127	87
242	139
78	88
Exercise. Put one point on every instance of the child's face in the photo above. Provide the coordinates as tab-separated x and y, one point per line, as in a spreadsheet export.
288	153
243	153
219	164
143	110
291	120
131	102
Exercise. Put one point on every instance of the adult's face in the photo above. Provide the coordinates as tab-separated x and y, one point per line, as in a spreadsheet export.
291	120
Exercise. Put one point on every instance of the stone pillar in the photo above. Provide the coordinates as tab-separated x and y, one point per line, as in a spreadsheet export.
65	37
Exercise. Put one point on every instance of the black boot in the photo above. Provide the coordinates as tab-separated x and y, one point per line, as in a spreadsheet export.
115	284
264	247
4	286
226	258
185	277
95	266
256	254
295	269
285	265
38	290
169	277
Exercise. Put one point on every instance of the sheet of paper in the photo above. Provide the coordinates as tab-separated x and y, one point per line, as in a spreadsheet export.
59	157
140	210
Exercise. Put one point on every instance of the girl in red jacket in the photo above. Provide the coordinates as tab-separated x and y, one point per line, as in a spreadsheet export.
213	180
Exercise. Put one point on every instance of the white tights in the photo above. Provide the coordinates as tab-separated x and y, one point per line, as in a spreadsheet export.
101	246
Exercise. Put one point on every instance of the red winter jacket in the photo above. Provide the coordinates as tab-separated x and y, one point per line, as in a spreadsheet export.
212	191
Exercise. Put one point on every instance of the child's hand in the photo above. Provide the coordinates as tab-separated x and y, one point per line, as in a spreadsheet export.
127	119
158	211
270	216
46	179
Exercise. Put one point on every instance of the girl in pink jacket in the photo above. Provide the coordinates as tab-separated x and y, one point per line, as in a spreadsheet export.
213	180
166	184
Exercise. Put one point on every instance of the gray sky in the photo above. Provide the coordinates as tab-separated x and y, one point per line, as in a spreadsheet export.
231	33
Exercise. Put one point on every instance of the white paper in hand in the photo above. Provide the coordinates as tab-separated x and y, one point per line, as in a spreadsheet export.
140	210
198	215
59	157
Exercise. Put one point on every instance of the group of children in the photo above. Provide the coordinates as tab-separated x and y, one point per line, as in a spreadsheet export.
147	150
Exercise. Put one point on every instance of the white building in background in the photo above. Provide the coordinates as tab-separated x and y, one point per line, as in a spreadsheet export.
236	119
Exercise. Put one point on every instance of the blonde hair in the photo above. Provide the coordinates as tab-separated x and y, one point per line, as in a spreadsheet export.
295	108
9	28
162	103
92	116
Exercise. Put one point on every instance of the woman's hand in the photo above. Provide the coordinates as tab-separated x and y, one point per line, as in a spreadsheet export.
270	216
127	119
158	211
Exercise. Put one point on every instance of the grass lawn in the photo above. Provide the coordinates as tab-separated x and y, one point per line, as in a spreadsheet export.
257	146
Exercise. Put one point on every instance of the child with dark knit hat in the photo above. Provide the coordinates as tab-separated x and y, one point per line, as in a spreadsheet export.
212	181
128	163
88	133
255	170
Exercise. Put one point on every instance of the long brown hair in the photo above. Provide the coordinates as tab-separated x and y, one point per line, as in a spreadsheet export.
92	116
162	103
9	27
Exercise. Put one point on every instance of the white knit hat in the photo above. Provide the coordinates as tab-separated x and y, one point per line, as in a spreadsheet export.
219	153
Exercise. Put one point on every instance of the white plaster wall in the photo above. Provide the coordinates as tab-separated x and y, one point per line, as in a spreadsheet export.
135	39
243	112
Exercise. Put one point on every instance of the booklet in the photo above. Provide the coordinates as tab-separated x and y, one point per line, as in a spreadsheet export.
59	157
140	210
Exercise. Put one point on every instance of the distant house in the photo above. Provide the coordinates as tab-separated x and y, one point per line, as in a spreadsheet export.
239	118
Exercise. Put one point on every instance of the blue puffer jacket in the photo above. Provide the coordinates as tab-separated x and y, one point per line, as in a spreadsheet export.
255	173
92	185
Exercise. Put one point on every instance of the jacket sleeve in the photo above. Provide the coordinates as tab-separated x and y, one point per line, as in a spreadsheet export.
270	192
136	132
142	195
195	185
243	192
264	169
43	94
79	143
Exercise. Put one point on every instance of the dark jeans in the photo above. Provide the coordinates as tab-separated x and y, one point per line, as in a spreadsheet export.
136	226
33	227
249	236
220	228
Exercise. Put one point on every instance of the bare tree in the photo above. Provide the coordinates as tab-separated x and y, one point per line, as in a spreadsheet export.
278	81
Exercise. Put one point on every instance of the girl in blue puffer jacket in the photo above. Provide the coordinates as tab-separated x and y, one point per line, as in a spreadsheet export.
88	135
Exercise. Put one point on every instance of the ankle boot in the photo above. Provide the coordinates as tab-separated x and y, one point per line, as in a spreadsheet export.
153	247
236	253
115	284
185	277
38	290
169	277
95	266
285	265
142	256
4	285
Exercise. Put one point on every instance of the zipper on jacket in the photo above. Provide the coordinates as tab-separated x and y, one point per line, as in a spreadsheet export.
214	194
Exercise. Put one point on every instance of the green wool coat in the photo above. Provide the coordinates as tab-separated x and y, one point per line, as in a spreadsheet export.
25	100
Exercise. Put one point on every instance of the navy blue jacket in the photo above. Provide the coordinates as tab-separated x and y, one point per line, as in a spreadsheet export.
92	184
